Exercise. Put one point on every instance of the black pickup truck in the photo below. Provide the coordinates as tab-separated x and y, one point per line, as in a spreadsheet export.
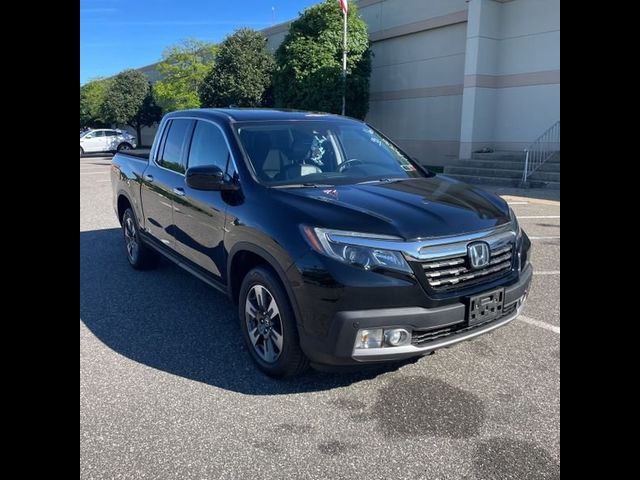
337	247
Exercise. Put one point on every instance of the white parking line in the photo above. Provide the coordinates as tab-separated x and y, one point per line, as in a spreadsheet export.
517	203
104	181
552	237
538	323
549	272
95	173
538	216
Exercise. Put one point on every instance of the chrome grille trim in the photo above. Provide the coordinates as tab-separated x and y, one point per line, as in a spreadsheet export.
446	263
454	271
470	276
440	248
439	274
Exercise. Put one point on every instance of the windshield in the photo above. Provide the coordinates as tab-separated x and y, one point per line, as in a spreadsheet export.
323	152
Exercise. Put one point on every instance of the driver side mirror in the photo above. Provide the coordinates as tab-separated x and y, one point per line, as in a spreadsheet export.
208	177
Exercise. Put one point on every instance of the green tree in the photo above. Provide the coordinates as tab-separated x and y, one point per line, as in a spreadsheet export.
129	101
308	75
91	98
182	70
242	73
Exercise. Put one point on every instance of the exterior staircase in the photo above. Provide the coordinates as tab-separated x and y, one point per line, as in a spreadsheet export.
505	169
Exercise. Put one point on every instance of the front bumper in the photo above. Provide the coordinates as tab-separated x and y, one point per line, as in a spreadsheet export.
447	323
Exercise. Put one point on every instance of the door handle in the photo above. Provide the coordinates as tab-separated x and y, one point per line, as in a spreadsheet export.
148	178
179	191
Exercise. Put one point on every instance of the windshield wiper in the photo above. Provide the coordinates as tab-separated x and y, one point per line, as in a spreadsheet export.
381	180
304	185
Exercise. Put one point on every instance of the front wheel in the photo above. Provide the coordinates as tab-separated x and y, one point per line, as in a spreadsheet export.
81	151
140	256
269	326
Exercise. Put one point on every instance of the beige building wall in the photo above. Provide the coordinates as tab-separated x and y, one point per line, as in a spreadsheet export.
512	73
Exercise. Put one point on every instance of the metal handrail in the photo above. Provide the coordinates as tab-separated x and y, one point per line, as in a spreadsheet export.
541	150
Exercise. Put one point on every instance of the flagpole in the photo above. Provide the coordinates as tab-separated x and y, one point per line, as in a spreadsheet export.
344	62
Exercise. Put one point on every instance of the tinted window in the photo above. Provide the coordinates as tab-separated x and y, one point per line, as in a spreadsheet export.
325	152
208	146
172	154
99	133
110	133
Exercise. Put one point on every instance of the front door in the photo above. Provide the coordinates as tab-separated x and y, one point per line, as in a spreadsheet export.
111	140
94	142
200	215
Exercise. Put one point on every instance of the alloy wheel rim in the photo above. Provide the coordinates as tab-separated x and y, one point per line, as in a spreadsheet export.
264	323
131	240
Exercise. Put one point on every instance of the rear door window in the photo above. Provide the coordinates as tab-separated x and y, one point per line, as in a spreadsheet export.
172	156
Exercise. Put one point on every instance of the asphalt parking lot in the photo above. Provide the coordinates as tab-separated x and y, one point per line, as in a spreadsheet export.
168	391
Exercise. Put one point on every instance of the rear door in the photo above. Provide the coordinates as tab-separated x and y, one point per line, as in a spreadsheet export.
165	171
111	139
200	215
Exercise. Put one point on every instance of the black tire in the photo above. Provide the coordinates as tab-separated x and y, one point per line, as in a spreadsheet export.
81	151
140	256
124	146
290	360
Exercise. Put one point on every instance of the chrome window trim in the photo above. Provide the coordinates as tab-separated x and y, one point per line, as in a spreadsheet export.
430	248
154	157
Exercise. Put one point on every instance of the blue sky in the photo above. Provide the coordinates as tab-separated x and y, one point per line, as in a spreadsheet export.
119	34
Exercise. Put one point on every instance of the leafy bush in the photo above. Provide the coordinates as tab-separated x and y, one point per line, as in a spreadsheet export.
242	73
308	75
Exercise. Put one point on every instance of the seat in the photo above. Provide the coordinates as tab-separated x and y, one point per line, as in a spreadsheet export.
273	162
258	153
299	152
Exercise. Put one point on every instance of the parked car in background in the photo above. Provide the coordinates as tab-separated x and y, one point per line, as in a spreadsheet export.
106	140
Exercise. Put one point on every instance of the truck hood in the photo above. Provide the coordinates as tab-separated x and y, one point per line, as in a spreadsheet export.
412	209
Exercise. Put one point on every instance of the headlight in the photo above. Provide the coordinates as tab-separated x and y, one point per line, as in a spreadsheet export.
367	252
524	252
514	222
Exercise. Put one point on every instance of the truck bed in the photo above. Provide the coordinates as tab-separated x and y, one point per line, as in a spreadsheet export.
140	153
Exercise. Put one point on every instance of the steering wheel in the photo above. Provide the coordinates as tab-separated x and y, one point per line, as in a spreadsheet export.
349	163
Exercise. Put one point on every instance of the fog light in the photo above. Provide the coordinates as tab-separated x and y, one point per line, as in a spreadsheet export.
396	337
369	338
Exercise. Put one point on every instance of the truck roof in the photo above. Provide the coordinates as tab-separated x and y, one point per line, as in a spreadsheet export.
256	114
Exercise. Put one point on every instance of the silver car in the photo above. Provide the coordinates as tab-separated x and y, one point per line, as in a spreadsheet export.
106	140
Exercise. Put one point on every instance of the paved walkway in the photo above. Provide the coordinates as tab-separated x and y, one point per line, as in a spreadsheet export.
547	196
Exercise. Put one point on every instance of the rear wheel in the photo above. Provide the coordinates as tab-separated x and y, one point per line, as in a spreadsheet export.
124	146
268	325
140	256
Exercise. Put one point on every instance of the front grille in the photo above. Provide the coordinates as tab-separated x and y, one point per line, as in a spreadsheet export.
454	272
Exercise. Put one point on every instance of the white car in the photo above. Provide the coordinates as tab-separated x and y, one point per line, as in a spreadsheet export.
106	140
